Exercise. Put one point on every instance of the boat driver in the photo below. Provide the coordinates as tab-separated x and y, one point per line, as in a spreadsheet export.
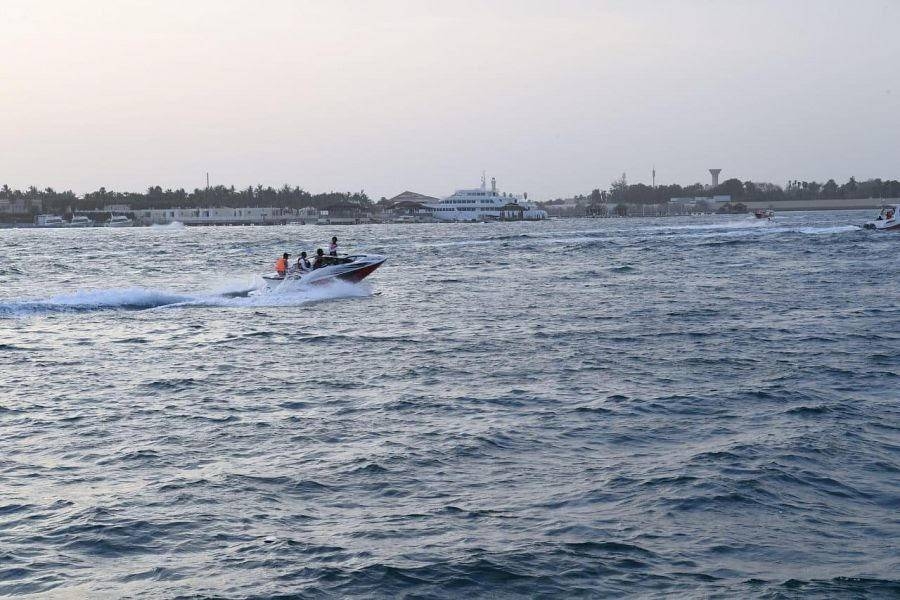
281	265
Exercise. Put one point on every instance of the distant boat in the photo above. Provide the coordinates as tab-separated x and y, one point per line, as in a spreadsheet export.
119	221
887	220
50	221
81	221
762	213
483	204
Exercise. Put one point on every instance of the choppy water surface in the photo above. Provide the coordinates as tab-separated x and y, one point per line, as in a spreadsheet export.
580	408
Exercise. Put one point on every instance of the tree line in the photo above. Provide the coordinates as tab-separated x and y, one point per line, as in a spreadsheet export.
59	202
621	192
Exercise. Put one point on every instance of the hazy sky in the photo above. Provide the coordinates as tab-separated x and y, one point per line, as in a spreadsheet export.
552	98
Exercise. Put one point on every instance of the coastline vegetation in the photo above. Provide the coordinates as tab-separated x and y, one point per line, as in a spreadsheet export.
66	202
615	200
623	193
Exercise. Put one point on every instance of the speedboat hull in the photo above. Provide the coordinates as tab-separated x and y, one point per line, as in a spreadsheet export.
345	268
888	220
882	225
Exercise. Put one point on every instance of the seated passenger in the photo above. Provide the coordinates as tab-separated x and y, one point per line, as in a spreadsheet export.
320	259
303	264
281	265
332	248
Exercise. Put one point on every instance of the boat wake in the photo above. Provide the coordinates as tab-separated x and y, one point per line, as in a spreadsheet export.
137	298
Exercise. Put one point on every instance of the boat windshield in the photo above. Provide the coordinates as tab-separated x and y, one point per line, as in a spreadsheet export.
327	261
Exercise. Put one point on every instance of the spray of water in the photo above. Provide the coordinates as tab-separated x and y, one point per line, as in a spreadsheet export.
234	294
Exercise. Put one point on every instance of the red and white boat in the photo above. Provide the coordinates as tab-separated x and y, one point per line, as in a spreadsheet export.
887	220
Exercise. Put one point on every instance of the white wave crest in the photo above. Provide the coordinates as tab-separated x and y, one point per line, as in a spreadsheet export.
825	230
172	225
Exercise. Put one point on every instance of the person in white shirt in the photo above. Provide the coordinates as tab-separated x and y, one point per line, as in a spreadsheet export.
303	264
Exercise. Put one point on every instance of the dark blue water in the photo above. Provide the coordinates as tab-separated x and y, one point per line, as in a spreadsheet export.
585	408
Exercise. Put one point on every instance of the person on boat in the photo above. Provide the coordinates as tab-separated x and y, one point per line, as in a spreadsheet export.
320	259
332	248
303	264
281	265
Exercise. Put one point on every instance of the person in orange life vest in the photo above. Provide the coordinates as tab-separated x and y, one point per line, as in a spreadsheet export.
281	265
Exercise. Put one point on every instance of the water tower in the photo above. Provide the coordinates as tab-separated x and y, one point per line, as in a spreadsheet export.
715	176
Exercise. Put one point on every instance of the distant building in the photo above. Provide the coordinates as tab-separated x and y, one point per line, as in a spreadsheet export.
570	207
408	211
344	213
410	207
408	196
214	216
20	206
697	199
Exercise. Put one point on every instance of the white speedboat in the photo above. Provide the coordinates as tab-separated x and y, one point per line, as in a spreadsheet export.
351	268
81	221
119	221
54	221
887	220
762	213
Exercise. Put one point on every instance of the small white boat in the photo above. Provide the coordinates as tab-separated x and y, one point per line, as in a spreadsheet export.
887	220
352	268
81	221
50	221
762	213
119	221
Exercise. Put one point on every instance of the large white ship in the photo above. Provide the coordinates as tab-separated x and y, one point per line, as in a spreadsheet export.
482	204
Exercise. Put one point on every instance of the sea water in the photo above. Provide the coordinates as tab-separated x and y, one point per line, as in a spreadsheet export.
694	406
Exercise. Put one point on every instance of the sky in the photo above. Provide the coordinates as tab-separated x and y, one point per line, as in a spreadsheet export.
553	98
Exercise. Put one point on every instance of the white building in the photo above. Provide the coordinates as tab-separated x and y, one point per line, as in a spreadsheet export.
215	216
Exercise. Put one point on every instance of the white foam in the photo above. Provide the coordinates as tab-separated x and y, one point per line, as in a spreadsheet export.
128	298
172	225
143	298
824	230
751	223
292	293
